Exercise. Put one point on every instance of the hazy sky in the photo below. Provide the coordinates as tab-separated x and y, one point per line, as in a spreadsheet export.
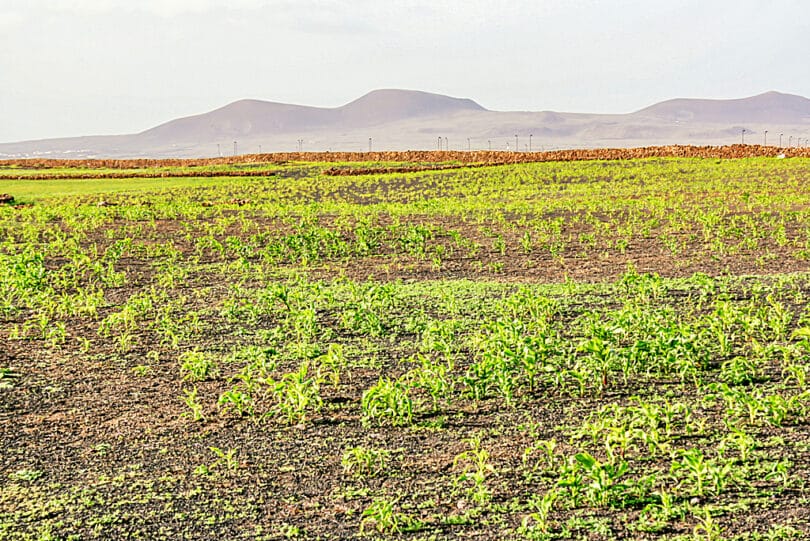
80	67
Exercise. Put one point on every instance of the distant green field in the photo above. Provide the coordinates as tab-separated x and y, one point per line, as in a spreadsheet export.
27	190
35	190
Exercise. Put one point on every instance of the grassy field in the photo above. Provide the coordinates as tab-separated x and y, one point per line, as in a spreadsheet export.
560	350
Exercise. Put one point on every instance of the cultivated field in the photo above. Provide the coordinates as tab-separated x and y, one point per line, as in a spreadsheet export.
424	346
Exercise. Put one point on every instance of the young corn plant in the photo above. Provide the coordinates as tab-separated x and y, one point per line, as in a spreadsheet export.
333	361
387	400
434	377
740	370
602	482
570	480
778	408
475	471
546	450
537	525
297	394
693	470
656	517
366	310
600	361
362	461
526	242
234	400
381	515
440	336
738	438
707	529
797	373
197	366
700	474
227	458
195	412
491	373
512	355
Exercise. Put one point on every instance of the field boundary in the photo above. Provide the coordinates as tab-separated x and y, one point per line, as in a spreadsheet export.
473	157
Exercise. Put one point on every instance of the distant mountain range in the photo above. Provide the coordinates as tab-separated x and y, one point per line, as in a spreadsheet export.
408	119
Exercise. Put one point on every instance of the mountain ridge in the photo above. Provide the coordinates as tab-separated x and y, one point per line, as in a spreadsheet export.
398	119
769	106
251	116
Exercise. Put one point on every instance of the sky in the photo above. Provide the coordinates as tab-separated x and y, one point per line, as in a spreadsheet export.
97	67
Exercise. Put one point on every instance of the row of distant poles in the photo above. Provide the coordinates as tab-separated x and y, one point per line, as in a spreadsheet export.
443	143
781	135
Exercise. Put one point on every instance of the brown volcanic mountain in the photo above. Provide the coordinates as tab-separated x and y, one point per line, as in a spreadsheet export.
253	117
770	107
406	119
382	106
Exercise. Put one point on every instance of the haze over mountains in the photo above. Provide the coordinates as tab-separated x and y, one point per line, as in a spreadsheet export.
407	119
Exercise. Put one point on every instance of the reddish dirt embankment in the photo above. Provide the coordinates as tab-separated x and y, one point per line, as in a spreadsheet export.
477	157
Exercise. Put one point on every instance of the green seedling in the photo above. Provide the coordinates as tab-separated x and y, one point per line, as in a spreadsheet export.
236	401
195	412
539	519
387	400
225	458
197	366
381	515
365	461
475	471
297	394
